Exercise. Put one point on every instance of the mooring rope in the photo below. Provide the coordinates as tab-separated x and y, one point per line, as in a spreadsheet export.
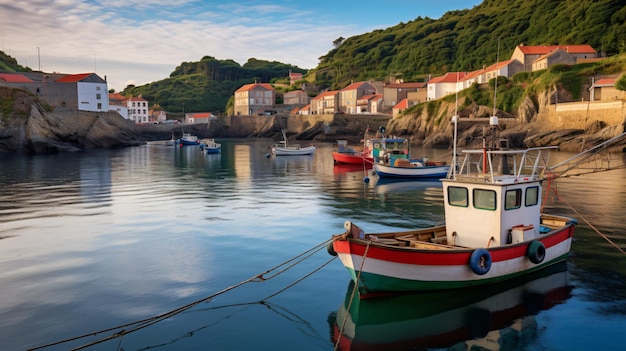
140	324
595	229
354	291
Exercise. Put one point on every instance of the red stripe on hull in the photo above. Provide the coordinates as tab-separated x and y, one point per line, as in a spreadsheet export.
351	159
452	257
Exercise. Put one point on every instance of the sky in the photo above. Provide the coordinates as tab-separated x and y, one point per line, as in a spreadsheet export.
142	41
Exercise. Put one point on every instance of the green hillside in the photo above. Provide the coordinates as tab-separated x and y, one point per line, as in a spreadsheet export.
467	40
9	64
462	40
207	85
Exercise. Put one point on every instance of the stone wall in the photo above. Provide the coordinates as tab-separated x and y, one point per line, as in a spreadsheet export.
579	115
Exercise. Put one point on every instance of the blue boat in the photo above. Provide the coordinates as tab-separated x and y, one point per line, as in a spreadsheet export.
211	147
188	139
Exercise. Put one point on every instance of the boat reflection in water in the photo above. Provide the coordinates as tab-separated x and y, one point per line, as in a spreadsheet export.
387	185
488	317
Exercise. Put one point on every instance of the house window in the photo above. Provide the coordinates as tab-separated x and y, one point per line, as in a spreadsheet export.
97	88
97	96
99	106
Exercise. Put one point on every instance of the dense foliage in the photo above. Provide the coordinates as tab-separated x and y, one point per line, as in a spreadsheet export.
9	64
462	40
467	40
207	85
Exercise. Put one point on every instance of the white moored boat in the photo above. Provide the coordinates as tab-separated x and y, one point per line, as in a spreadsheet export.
284	149
494	230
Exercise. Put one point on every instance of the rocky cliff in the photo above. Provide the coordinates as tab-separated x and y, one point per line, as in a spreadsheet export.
27	126
537	124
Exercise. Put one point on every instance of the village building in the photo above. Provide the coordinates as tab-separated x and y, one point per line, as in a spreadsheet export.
325	103
604	89
157	116
558	56
400	107
83	92
350	95
294	77
528	54
199	117
306	110
296	98
254	99
137	109
441	86
395	92
372	103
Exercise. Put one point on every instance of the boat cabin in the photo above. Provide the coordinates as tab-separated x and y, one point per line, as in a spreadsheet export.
387	150
489	203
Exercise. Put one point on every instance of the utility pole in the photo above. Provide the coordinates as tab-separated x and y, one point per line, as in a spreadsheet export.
39	59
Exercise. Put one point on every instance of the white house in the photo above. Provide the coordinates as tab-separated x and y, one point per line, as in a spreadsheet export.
137	109
444	85
91	91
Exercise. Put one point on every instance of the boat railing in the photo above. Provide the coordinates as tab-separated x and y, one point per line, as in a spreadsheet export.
502	166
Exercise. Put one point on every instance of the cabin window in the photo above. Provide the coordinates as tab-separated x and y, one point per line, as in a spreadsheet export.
513	199
457	196
484	199
532	196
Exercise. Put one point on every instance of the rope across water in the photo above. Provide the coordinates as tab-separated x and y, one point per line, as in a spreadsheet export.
121	330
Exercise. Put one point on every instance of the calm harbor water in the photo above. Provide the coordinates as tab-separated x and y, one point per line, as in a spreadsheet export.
105	238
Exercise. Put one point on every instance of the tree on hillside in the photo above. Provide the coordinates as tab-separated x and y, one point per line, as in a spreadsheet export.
338	41
620	83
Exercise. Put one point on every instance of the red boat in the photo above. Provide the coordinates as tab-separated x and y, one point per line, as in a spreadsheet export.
348	156
374	149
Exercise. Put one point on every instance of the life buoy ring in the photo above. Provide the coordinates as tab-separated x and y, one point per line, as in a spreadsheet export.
480	261
536	252
331	249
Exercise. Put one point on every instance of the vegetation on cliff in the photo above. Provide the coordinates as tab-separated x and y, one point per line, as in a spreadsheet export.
466	40
462	40
207	85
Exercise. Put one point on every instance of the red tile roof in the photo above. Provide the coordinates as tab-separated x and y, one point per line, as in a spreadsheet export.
353	86
73	78
136	99
605	82
14	78
544	49
325	94
200	115
409	85
404	104
498	65
252	86
450	77
116	96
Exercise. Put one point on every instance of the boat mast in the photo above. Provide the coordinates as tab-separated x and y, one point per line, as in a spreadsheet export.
455	120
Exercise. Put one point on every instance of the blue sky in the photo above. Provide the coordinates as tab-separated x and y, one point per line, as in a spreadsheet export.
141	41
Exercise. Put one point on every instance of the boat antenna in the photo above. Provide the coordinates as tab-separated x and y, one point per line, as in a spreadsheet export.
493	121
455	120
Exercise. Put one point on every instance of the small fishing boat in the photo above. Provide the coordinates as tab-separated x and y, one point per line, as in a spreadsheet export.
494	230
489	315
210	146
171	142
188	139
284	149
412	168
346	155
375	149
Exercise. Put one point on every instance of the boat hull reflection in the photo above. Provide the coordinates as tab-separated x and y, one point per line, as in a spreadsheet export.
482	316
